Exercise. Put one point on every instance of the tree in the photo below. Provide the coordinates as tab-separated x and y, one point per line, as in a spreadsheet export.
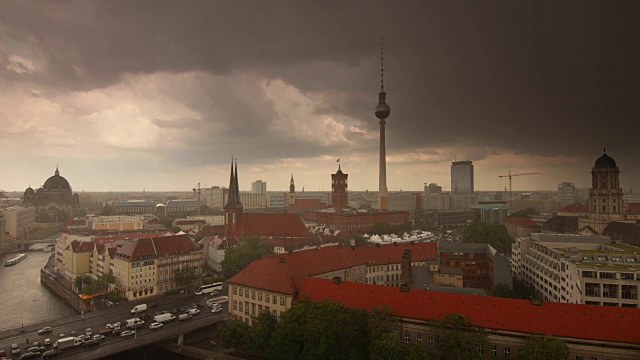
185	276
234	334
239	257
388	347
417	351
545	347
324	330
81	281
459	337
382	320
495	235
503	290
106	211
522	290
260	334
524	212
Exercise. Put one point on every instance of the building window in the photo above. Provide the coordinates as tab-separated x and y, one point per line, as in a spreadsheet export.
481	349
259	296
593	358
281	300
266	297
275	314
507	352
246	293
275	299
407	337
494	350
235	304
418	337
430	341
240	306
235	290
253	294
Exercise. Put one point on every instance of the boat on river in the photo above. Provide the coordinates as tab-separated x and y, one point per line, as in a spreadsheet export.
15	260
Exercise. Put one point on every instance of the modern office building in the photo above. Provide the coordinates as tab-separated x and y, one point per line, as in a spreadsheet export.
19	221
134	207
462	177
259	187
578	269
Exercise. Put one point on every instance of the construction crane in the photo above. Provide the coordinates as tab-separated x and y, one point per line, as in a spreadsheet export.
510	191
197	191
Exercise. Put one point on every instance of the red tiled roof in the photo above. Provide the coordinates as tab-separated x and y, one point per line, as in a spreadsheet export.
189	222
520	221
294	243
100	248
601	323
150	248
270	274
575	208
112	251
212	230
82	246
222	243
308	204
269	225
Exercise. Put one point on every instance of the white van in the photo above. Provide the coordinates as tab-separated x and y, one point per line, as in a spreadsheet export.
139	308
184	317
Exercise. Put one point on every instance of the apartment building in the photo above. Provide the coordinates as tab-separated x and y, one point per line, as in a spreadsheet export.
579	269
482	266
183	205
148	266
77	255
134	207
19	220
116	222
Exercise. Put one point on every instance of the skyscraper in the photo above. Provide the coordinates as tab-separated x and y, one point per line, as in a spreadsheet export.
462	177
382	112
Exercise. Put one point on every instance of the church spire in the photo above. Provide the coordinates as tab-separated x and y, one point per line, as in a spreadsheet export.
57	172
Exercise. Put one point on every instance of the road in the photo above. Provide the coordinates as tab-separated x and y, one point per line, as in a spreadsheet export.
112	344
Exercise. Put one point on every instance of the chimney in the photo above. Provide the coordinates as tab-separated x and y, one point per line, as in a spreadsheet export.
337	280
282	260
405	275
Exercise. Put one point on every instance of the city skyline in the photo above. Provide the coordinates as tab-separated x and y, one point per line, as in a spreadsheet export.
140	95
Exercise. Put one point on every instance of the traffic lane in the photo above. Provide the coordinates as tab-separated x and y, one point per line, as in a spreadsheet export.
96	322
145	337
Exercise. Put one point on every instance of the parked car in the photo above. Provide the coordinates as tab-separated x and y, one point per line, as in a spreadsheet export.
155	325
126	333
45	330
15	349
98	337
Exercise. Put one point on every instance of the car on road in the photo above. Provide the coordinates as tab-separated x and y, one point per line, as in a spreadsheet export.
45	330
194	311
84	338
46	342
117	332
36	349
98	337
29	355
196	305
51	354
91	342
184	317
15	349
216	309
155	325
174	310
216	306
89	332
126	333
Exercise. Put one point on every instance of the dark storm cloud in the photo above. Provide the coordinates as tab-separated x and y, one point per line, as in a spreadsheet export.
535	77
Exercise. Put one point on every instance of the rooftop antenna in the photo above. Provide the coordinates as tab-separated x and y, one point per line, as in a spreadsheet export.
382	64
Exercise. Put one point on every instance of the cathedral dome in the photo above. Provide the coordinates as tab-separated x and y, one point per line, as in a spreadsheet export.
56	182
29	191
605	162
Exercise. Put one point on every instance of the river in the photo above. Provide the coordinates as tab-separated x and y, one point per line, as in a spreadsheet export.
23	300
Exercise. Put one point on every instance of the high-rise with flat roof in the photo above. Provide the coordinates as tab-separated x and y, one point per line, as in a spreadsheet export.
462	177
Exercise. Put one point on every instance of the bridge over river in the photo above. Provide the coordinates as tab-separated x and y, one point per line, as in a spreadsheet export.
112	344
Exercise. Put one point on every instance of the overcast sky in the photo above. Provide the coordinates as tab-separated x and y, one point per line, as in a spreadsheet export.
158	95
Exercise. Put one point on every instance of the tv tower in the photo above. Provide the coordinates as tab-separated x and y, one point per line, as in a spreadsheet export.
382	112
